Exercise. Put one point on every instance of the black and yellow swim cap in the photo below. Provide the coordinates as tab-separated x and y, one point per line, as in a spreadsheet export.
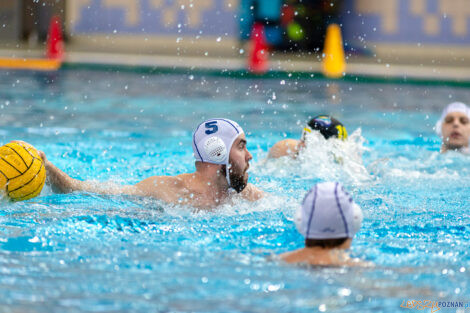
328	127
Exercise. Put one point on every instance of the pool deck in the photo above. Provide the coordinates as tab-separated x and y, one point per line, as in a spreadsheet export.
386	62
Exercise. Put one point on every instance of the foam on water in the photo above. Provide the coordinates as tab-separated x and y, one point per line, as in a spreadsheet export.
329	160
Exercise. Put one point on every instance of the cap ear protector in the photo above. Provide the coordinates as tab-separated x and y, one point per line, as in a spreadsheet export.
215	149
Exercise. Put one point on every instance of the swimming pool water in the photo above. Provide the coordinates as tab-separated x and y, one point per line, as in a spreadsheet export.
89	253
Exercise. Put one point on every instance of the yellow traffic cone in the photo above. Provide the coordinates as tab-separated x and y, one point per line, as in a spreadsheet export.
333	64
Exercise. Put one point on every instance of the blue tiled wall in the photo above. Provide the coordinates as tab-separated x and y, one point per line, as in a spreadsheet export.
390	21
155	17
408	21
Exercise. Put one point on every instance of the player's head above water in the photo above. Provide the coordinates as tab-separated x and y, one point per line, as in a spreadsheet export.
222	141
328	126
454	126
328	216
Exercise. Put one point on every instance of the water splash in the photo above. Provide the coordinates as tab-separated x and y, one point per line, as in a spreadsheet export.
322	159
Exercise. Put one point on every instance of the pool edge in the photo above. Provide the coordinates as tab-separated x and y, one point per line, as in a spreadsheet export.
273	74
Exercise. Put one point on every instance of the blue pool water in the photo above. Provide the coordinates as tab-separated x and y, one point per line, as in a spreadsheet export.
89	253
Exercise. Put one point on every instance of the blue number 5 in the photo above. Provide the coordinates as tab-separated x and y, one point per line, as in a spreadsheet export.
211	127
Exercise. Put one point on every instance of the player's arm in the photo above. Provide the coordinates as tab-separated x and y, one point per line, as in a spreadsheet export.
283	148
252	193
160	187
63	183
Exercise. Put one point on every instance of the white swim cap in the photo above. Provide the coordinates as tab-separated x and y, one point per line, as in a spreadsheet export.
213	139
452	107
328	212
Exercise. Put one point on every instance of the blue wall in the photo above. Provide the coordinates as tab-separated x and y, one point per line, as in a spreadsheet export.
155	17
386	21
408	21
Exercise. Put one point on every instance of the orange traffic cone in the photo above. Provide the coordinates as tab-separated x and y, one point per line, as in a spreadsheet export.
258	58
55	44
334	63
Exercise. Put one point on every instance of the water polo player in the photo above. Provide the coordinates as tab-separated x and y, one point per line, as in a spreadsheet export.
222	161
454	128
328	126
328	219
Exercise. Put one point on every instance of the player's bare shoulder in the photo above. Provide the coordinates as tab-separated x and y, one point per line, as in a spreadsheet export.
166	188
283	148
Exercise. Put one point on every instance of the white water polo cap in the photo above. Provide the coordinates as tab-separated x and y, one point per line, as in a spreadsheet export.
328	212
213	139
452	107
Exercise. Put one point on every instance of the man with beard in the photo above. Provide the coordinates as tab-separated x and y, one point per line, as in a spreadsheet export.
222	161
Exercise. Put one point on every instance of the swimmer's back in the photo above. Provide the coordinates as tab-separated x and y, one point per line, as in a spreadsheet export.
286	147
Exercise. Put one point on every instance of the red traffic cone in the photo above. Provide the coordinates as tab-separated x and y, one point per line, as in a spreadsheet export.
55	44
258	58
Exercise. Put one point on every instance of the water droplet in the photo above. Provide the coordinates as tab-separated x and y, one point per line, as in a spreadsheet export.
34	239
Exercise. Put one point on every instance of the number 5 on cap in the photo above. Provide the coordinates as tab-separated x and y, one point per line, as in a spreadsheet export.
211	127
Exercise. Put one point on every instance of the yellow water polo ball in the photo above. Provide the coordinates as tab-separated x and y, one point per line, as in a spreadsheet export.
22	172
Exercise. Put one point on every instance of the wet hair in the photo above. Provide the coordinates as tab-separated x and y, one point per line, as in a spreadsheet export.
325	243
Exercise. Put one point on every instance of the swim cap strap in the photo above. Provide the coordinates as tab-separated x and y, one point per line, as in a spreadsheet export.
227	173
